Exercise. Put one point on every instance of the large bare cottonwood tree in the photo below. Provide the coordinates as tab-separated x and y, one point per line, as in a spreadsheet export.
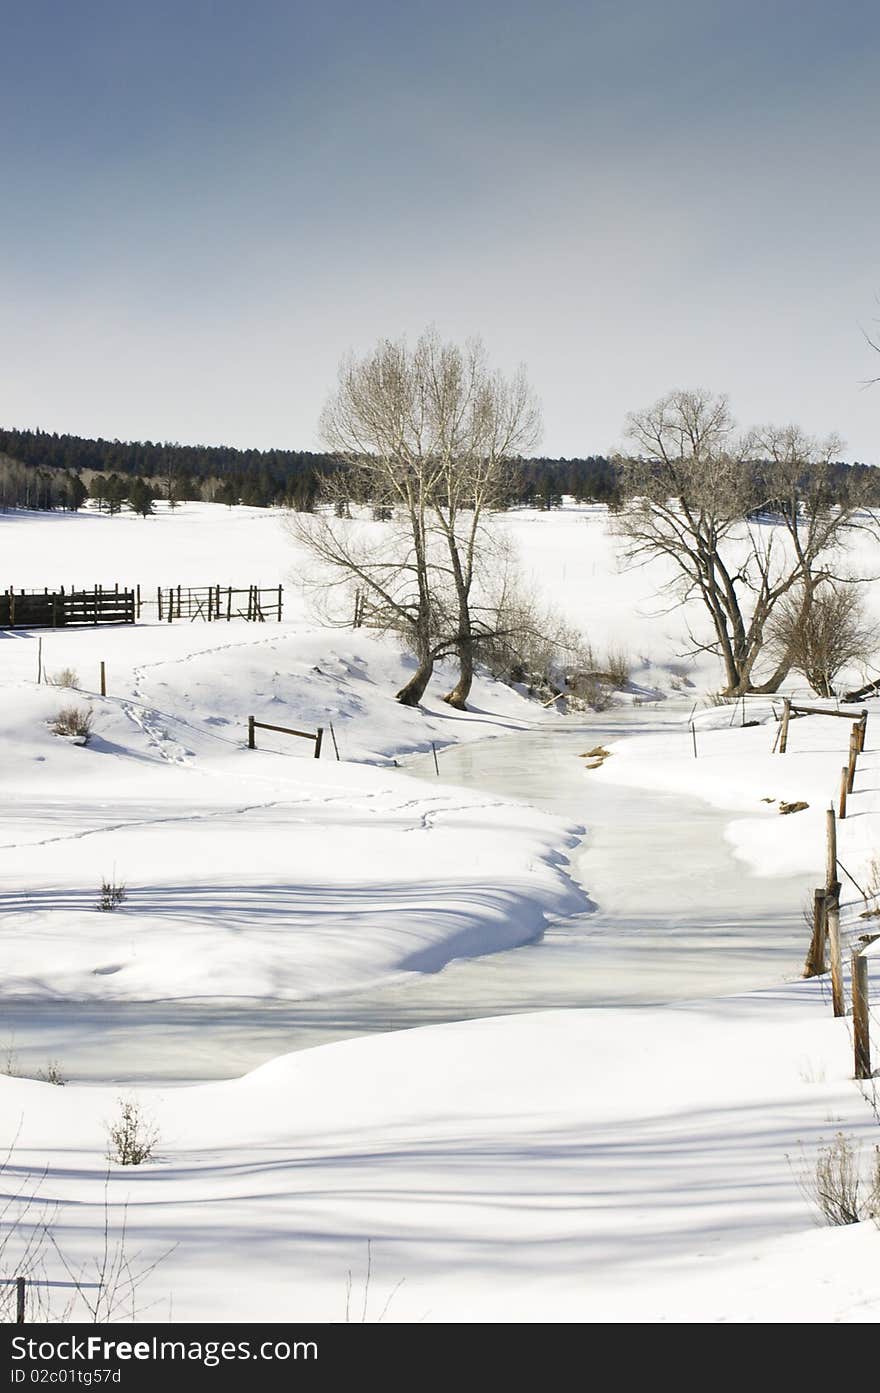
744	520
425	433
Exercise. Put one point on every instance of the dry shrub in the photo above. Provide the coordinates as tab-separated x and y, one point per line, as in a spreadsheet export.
73	720
113	894
132	1138
837	1184
66	677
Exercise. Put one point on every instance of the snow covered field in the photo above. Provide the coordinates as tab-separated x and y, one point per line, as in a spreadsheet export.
625	1164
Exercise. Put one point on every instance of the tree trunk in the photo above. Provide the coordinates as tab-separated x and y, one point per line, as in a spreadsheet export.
461	691
412	691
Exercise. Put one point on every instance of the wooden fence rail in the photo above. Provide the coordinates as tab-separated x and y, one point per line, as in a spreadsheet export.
254	725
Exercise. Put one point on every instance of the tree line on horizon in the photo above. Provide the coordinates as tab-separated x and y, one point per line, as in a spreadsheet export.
256	478
44	470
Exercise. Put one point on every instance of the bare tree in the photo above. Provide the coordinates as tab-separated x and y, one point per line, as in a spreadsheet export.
480	422
741	536
820	639
425	434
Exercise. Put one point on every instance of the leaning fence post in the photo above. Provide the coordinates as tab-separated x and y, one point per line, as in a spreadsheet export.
318	740
860	1015
333	738
786	717
19	1300
833	922
434	753
252	744
815	964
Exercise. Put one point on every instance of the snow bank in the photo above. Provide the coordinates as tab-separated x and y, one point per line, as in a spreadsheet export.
627	1165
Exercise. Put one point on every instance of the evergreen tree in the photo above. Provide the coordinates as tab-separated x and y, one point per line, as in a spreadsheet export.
141	498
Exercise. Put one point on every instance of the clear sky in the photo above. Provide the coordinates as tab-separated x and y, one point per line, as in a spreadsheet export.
206	203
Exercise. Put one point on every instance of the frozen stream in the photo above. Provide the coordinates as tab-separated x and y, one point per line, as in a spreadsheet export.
691	925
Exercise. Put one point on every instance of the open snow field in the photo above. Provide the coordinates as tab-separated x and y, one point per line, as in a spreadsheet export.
616	1162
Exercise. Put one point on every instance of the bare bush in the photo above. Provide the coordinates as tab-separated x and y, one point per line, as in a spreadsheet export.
66	677
873	1202
836	1189
132	1138
52	1074
823	636
594	691
113	894
73	720
618	668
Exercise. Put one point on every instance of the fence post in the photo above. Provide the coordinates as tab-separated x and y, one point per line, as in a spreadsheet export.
103	678
853	755
40	655
694	735
860	1015
333	737
279	604
318	740
830	850
19	1300
863	730
159	601
833	921
815	964
786	717
252	744
434	753
844	779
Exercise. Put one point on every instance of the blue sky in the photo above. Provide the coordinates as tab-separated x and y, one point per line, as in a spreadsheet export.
207	204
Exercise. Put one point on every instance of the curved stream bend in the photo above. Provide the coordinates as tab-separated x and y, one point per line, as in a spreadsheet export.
691	925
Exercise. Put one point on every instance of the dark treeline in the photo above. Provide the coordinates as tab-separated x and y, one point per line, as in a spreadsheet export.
541	482
259	478
214	472
44	470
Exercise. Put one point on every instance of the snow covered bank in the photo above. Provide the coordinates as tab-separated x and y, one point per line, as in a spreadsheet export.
736	769
247	873
576	1165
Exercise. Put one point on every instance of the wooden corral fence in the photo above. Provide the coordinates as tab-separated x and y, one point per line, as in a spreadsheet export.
218	602
54	609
